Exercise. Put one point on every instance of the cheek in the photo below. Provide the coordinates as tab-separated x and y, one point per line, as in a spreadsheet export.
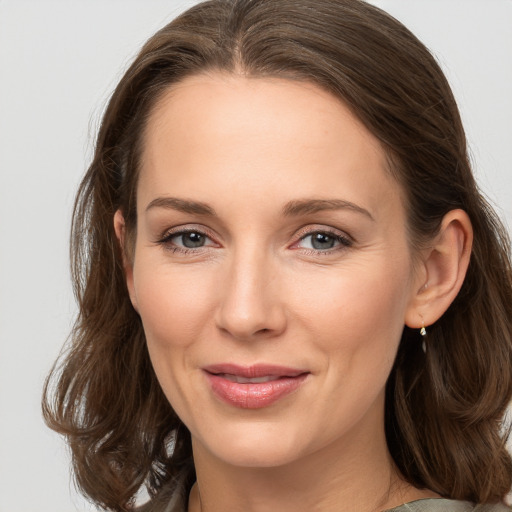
363	301
174	314
355	323
174	306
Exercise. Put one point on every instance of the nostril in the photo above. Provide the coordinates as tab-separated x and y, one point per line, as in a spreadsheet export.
263	331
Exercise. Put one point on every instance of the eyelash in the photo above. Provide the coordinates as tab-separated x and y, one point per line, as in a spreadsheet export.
166	240
343	241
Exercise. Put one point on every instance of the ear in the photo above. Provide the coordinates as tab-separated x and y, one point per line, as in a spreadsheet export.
442	270
120	229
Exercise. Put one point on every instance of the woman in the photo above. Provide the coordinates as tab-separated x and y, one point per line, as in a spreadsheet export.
292	295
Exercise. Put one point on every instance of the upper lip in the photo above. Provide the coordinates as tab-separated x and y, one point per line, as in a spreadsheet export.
253	371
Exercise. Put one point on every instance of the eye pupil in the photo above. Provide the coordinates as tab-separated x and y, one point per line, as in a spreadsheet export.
193	239
322	241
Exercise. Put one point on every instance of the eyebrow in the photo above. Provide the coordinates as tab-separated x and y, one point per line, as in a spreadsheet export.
306	206
291	209
182	205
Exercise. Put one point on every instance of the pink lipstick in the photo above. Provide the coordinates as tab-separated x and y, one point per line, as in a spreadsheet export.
253	387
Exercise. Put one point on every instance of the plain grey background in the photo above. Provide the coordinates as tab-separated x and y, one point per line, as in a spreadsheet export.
59	60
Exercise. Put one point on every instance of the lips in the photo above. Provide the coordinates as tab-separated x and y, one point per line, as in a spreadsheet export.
253	387
247	380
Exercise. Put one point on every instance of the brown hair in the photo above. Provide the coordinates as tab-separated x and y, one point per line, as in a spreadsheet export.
444	409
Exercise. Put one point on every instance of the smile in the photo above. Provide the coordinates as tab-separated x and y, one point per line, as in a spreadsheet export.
253	387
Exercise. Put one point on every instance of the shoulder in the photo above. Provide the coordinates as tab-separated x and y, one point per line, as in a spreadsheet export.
443	505
165	501
172	497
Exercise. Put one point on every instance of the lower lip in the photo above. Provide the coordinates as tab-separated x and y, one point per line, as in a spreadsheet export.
253	395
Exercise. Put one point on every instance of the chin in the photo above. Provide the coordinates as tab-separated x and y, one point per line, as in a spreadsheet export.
254	447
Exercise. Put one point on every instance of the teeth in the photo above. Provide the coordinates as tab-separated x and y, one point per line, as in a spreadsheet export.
245	380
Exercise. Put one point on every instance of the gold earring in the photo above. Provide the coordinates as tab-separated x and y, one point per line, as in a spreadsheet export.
423	331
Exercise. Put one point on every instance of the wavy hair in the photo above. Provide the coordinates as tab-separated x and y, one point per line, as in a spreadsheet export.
445	408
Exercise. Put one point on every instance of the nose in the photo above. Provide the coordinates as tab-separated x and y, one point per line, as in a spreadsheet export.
251	305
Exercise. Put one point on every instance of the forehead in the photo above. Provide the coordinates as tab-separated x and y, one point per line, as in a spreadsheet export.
239	106
260	135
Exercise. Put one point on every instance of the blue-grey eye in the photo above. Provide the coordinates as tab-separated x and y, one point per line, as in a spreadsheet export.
192	239
321	241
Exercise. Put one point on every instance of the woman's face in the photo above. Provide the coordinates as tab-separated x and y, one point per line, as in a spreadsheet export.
271	268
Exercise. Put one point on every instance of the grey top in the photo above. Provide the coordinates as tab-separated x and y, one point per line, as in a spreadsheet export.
443	505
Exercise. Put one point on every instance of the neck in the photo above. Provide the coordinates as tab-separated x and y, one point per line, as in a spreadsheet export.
355	472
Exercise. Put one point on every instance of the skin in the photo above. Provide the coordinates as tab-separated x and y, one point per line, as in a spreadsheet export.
254	152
